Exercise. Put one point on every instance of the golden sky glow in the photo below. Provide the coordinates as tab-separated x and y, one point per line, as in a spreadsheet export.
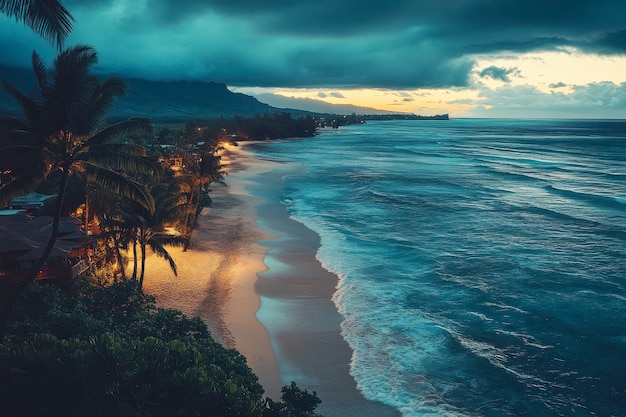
567	66
422	101
544	73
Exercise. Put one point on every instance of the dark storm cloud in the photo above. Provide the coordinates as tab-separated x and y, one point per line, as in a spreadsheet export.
327	43
498	73
611	42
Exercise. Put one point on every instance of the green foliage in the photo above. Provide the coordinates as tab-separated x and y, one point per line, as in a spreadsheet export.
82	310
109	351
111	376
299	403
296	403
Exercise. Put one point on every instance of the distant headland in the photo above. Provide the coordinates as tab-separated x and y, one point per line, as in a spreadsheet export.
336	120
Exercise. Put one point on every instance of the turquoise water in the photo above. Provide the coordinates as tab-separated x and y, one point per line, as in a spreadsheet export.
482	263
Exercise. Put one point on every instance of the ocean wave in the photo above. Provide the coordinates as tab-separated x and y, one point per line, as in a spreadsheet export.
480	265
592	198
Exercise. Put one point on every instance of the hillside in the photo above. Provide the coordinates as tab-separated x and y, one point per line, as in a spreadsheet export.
163	101
172	101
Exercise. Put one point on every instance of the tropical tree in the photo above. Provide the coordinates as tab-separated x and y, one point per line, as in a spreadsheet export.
156	229
117	230
198	172
63	131
49	18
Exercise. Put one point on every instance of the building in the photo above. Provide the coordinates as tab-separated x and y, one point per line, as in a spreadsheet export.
35	204
23	240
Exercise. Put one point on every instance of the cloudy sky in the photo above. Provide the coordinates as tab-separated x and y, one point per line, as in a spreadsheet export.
469	58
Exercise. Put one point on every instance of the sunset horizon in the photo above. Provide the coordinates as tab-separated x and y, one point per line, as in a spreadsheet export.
470	59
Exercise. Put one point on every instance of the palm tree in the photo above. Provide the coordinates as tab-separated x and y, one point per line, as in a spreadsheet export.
63	131
115	228
152	227
199	172
49	18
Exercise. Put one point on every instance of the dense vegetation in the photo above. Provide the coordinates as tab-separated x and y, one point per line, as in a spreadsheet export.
259	127
89	350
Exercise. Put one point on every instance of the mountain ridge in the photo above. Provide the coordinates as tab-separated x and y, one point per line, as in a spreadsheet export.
181	101
162	101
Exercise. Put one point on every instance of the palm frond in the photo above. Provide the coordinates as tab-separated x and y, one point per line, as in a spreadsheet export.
39	66
177	213
121	162
178	183
49	18
126	219
130	149
31	109
158	243
171	211
121	131
168	198
17	137
170	240
21	157
161	252
186	183
119	184
24	183
114	86
12	123
74	61
102	99
71	85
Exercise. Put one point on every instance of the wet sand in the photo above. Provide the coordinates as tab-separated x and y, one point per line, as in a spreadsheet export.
252	276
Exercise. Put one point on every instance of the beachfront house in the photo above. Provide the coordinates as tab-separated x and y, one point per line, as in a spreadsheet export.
24	240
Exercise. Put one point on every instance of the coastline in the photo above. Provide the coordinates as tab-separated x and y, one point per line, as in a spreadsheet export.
281	317
216	275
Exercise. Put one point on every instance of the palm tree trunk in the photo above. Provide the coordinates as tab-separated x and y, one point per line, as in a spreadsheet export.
194	217
143	266
135	255
188	221
87	210
55	226
118	256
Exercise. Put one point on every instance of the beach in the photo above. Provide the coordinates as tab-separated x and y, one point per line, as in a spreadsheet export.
252	276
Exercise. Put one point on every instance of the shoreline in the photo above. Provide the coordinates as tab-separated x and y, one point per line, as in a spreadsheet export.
216	275
261	290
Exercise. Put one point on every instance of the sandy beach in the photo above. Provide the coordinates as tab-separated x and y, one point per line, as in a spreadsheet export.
252	276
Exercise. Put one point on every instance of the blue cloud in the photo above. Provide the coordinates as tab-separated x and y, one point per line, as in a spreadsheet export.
498	73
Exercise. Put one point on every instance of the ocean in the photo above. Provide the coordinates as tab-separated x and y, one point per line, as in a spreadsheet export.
481	262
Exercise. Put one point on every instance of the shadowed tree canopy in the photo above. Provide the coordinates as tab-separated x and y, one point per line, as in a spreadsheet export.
63	131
